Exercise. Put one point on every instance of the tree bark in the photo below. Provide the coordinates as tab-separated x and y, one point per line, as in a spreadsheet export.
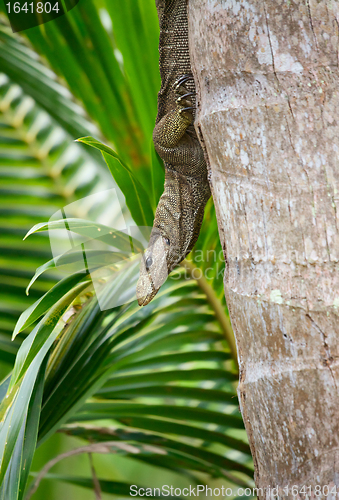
268	93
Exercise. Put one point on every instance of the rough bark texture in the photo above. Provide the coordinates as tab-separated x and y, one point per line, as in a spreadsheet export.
268	92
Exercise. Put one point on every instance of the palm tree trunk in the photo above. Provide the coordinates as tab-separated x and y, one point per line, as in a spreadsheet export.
267	78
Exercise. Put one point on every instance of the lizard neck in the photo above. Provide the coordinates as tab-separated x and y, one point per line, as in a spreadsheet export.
180	210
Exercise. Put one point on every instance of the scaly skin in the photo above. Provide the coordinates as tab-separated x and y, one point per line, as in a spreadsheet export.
180	211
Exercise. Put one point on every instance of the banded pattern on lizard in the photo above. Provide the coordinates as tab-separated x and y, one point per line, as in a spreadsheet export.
180	210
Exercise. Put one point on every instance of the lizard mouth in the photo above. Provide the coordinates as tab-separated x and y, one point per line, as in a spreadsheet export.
146	299
143	301
145	290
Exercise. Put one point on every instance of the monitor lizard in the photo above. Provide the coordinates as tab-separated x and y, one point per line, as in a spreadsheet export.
180	210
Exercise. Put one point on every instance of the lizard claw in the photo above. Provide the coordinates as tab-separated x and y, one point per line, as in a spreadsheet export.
181	80
182	110
184	102
187	113
184	95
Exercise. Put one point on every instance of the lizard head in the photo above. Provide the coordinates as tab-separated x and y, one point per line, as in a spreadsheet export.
160	257
169	240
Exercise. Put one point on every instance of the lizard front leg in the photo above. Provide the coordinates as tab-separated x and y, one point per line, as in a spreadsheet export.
170	136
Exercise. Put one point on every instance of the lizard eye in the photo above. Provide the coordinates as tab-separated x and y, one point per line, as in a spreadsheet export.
148	263
167	241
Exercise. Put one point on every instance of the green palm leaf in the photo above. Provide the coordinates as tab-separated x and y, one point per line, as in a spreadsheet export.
37	171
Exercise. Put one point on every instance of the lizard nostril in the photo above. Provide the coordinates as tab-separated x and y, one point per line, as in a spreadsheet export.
149	262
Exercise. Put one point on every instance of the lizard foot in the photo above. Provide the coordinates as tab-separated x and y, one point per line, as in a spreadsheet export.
184	100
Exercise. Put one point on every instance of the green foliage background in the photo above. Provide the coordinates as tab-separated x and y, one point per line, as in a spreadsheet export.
157	383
